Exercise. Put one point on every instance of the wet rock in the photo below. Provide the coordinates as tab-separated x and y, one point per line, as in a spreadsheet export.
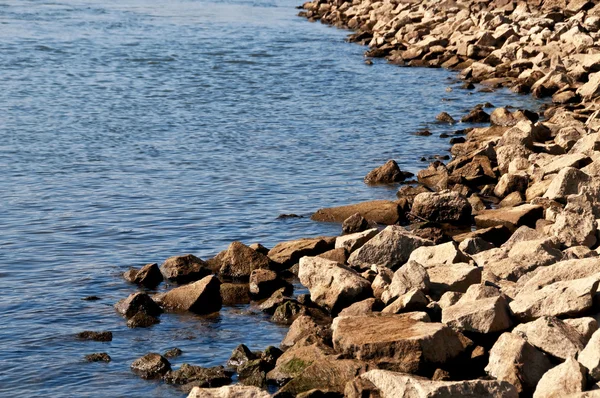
173	353
151	366
95	336
506	361
392	384
253	373
445	118
325	374
98	357
91	298
411	276
356	223
236	391
202	297
399	341
287	254
235	293
552	336
477	115
142	320
238	262
270	355
481	316
136	303
191	376
240	355
562	380
149	276
287	312
390	248
354	241
184	269
510	218
332	285
263	283
389	173
442	207
270	305
380	211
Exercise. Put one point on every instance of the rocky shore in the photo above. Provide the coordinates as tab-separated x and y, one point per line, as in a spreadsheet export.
479	280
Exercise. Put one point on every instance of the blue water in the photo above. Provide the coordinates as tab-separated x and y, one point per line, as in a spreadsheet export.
134	130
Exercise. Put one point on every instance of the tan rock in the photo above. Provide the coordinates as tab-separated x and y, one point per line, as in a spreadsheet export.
450	207
454	277
201	297
562	380
183	269
511	218
380	211
387	174
354	241
485	315
235	391
289	253
590	356
552	336
446	253
238	261
413	300
410	276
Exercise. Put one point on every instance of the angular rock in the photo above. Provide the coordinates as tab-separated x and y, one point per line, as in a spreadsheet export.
184	269
477	115
390	248
234	293
332	285
191	376
562	380
239	356
508	357
552	336
297	358
142	320
148	276
303	326
454	277
137	302
263	283
95	336
411	276
236	391
474	245
151	366
389	173
352	242
485	315
202	297
399	341
434	177
356	223
510	218
510	183
442	207
413	300
380	211
289	253
567	182
590	356
363	307
446	253
238	262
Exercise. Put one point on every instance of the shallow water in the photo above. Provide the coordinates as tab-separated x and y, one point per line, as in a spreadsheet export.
133	130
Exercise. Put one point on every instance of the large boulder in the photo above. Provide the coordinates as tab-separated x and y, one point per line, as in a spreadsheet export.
399	341
297	358
202	297
389	173
576	225
552	336
514	360
289	253
380	211
392	384
567	182
184	269
562	271
435	176
485	315
238	262
264	282
562	380
442	207
151	366
235	391
390	248
332	285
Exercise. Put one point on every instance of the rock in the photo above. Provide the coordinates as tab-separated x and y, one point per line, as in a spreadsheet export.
508	153
270	355
356	223
289	253
363	307
259	248
586	326
338	255
575	225
502	117
297	358
332	285
390	248
562	271
239	356
446	253
507	359
137	302
380	211
558	163
442	207
399	341
510	183
511	200
590	356
389	173
435	176
148	276
325	374
236	391
590	89
235	293
562	380
485	315
552	336
238	262
191	376
173	353
303	326
151	366
287	312
351	242
568	298
263	283
410	276
98	357
202	297
445	118
475	245
510	218
567	182
95	336
454	277
142	320
413	300
254	373
184	269
392	384
477	115
270	305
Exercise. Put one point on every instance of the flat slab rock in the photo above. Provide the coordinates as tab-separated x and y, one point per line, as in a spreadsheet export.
512	218
401	339
392	385
289	253
380	211
237	391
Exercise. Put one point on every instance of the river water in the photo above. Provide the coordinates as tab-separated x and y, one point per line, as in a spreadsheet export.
134	130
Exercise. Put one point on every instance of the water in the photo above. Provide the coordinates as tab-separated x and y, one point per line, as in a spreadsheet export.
133	130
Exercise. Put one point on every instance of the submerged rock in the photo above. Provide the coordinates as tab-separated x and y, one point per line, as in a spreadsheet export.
95	336
98	357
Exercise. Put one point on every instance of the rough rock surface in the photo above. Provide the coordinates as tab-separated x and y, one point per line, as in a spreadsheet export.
485	315
388	173
151	366
380	211
148	276
562	380
184	269
238	262
442	207
289	253
202	297
236	391
552	336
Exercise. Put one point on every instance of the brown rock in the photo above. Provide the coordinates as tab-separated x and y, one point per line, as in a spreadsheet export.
442	207
151	366
563	380
149	276
184	269
511	218
202	297
289	253
235	293
238	262
389	173
380	211
137	302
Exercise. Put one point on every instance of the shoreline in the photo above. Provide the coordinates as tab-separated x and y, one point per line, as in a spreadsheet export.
461	308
